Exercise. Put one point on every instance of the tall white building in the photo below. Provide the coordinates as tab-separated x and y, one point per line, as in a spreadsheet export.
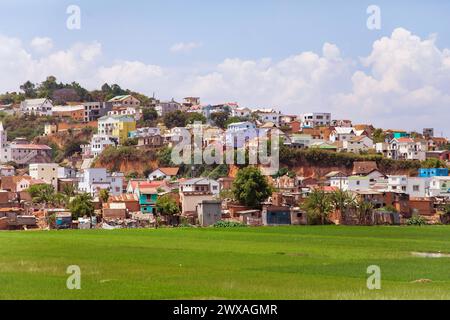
47	172
5	151
316	119
93	180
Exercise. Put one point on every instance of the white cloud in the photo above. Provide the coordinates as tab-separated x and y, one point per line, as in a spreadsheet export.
42	45
406	85
185	47
403	82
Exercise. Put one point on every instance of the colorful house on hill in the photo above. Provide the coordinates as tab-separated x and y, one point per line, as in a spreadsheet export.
400	134
433	172
147	199
116	126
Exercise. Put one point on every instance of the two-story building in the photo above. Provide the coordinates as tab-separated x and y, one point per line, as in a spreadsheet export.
316	119
47	172
93	180
407	149
116	126
37	107
99	143
125	101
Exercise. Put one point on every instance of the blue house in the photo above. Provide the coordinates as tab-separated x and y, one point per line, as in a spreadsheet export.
147	199
433	172
400	134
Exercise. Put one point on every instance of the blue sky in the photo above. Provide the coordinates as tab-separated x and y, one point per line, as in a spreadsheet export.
251	29
299	56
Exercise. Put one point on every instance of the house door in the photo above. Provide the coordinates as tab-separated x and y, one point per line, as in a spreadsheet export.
279	218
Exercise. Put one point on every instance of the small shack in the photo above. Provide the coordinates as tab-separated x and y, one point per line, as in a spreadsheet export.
209	212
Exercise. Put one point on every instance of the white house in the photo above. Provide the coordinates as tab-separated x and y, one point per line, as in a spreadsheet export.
7	171
418	187
316	119
397	184
47	172
204	185
407	149
269	115
359	183
134	112
93	180
382	148
440	187
163	174
358	144
239	133
241	112
338	180
38	107
342	134
99	143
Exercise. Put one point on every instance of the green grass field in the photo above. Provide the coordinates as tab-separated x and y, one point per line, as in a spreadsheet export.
260	263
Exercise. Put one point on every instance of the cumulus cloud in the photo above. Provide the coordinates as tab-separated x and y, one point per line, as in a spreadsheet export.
403	82
17	65
184	47
296	84
42	45
406	85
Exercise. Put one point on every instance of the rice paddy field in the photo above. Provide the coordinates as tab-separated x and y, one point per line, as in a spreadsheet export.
240	263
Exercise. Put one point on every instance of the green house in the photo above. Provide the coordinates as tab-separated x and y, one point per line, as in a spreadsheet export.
147	199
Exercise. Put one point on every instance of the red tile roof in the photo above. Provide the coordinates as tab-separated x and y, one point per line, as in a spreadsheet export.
169	171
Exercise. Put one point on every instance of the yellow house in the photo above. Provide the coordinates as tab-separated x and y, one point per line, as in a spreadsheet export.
116	126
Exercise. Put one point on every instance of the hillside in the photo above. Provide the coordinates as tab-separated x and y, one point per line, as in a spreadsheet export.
129	160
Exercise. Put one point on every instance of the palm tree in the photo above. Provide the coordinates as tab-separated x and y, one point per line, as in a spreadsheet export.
104	195
68	190
82	206
42	194
342	201
318	205
364	209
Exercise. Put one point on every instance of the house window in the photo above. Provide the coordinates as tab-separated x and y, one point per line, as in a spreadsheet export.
416	188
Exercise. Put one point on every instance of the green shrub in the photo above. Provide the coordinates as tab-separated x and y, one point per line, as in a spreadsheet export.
417	221
229	224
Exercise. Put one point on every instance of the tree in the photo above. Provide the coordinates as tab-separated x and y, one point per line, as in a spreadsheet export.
106	89
379	136
364	209
73	147
42	193
433	163
47	87
130	142
104	195
220	119
82	206
29	89
250	187
167	206
342	201
318	205
60	200
175	119
68	190
149	114
233	120
164	157
195	117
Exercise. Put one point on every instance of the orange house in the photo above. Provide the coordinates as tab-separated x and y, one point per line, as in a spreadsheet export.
75	113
